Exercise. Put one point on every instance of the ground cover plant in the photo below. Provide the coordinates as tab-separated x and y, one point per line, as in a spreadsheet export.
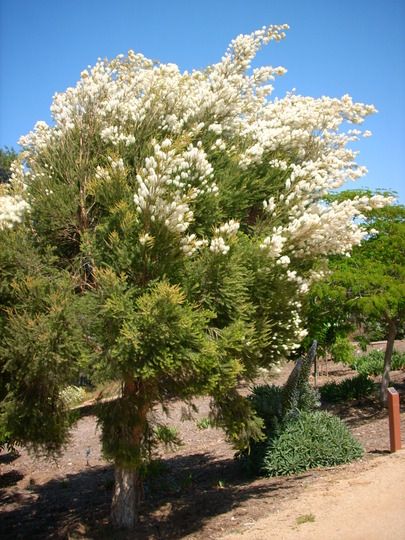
372	363
162	234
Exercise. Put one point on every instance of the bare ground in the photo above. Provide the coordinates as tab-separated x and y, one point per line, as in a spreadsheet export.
199	491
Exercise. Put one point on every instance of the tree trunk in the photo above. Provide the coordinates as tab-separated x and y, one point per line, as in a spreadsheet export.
385	381
126	498
128	489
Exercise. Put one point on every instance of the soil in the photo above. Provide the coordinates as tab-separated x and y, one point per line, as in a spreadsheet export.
198	491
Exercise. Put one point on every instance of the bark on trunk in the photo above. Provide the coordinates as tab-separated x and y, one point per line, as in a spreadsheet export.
126	498
385	381
128	490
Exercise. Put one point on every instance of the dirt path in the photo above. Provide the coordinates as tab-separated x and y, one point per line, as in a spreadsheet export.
369	506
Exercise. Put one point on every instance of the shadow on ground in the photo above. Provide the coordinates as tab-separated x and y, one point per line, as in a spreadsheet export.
189	492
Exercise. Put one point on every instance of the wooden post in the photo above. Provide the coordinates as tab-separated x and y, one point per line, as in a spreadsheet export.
394	419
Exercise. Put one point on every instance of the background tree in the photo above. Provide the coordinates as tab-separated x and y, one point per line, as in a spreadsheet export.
7	156
176	222
369	287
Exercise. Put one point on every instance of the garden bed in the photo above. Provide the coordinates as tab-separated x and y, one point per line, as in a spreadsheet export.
198	492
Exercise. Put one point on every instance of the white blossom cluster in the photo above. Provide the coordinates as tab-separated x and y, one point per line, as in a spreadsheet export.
323	229
168	184
229	229
190	244
218	245
302	283
12	209
273	245
226	231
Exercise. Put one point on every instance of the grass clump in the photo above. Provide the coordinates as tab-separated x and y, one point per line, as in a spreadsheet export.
306	518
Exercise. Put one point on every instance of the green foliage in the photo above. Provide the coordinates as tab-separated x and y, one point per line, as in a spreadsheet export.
267	401
372	364
119	420
7	156
306	518
234	413
204	423
72	395
41	350
369	285
276	406
366	289
168	436
297	393
342	350
354	388
311	440
297	437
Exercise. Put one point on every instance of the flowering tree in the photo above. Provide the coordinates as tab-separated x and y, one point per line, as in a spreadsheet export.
169	225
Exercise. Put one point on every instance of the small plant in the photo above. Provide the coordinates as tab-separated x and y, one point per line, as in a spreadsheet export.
72	395
168	436
355	388
306	518
204	423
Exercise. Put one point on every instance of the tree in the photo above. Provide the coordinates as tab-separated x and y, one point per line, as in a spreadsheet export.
369	287
7	156
169	227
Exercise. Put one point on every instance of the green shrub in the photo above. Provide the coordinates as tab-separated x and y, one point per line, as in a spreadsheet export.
398	361
311	440
342	350
372	364
6	442
267	402
355	388
297	437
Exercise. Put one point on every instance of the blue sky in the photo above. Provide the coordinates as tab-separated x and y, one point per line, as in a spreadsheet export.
333	47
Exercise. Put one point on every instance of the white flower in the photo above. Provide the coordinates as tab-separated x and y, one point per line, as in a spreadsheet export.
218	245
230	228
12	210
273	245
284	260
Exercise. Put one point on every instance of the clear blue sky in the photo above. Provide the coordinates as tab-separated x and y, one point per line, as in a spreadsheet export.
333	47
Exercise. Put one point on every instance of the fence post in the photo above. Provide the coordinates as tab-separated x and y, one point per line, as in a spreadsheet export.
394	419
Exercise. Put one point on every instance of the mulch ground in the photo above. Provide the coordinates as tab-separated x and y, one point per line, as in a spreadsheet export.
198	492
